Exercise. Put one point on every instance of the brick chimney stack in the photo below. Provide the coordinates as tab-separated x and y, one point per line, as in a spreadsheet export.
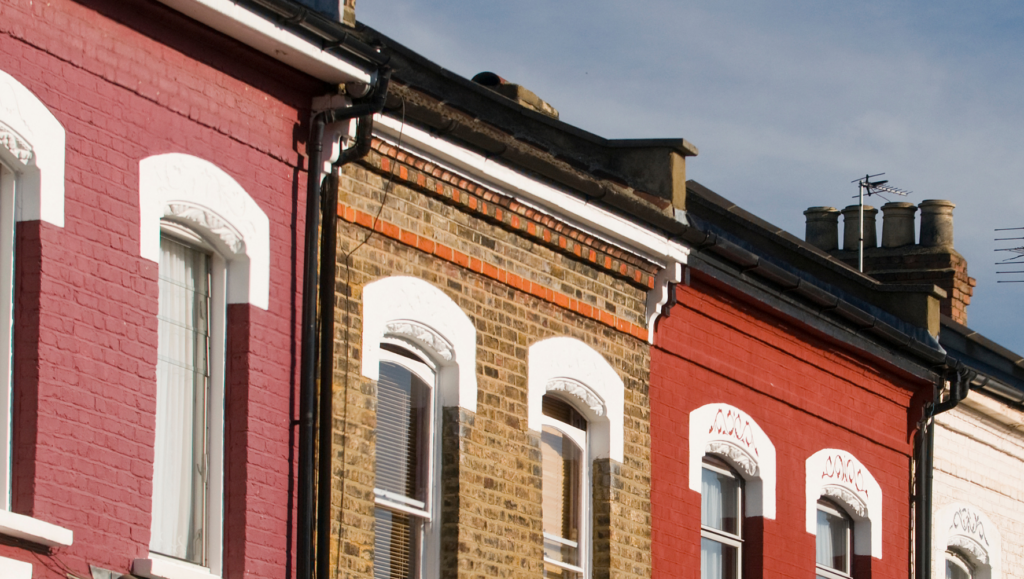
900	260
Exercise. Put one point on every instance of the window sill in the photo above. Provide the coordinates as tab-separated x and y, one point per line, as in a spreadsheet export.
11	569
157	567
34	530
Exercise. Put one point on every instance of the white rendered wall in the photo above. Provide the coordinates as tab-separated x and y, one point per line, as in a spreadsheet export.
979	462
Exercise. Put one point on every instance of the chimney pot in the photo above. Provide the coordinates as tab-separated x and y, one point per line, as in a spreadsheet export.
937	223
851	227
898	224
823	227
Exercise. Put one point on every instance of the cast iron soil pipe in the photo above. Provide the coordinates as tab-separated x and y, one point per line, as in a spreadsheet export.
958	390
307	373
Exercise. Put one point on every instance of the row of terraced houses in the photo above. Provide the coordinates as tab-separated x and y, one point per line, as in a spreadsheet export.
282	298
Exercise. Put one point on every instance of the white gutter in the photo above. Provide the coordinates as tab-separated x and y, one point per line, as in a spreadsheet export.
269	38
596	221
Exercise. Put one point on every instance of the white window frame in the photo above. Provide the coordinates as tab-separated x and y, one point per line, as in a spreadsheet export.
430	514
829	572
584	545
725	538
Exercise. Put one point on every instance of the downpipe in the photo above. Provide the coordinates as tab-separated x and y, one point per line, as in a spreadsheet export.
960	385
322	210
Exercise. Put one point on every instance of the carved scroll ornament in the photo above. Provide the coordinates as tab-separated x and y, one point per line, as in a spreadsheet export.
580	391
422	334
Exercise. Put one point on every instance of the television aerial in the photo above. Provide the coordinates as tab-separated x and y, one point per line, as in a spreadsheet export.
1017	259
865	186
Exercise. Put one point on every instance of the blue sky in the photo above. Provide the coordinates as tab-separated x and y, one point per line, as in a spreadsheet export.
787	101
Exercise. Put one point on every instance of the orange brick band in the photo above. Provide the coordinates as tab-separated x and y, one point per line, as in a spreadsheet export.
449	254
498	208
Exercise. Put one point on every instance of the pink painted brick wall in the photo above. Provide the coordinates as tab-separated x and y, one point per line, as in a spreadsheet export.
129	79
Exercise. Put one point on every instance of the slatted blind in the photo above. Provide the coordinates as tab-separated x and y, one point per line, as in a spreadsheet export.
402	423
562	463
393	545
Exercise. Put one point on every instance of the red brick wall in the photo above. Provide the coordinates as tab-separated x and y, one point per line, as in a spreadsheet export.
129	79
805	392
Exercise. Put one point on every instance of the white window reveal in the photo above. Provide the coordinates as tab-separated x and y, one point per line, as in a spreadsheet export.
565	489
966	543
833	542
405	460
721	520
732	435
839	477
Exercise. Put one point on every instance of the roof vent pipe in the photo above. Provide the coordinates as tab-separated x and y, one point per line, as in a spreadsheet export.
937	223
822	227
898	224
851	227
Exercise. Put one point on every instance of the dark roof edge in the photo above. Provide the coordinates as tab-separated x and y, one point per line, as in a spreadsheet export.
1000	370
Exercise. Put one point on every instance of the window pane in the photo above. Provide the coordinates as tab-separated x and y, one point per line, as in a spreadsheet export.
719	501
833	546
395	545
562	464
403	424
556	572
956	568
180	464
717	560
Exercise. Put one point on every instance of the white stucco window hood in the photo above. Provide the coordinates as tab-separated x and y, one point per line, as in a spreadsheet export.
271	39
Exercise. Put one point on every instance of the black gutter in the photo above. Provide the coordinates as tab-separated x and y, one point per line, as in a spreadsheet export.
307	374
960	384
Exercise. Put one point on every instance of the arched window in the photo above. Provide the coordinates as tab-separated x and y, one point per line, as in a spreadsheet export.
732	466
421	349
833	542
211	241
844	511
576	402
966	543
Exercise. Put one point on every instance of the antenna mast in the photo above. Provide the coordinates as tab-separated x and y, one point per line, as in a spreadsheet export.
865	186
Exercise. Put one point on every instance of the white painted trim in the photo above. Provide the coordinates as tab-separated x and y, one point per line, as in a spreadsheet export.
199	194
731	434
11	569
659	296
34	530
968	529
158	567
569	365
596	221
838	475
417	311
271	39
32	141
